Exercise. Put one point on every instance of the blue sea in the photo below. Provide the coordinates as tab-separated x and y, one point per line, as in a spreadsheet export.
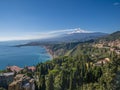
21	56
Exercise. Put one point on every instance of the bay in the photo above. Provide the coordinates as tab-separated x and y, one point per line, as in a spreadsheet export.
21	56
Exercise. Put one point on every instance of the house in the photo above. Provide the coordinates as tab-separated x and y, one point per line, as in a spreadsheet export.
14	68
32	68
6	79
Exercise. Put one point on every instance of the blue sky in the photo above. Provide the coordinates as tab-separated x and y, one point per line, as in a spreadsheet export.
22	18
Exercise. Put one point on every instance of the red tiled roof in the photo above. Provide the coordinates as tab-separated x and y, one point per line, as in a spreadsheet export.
14	68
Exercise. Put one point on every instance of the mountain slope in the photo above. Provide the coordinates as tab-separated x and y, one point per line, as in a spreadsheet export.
71	48
111	37
111	41
76	35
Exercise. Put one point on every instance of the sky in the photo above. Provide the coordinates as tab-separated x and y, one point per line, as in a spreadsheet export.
27	19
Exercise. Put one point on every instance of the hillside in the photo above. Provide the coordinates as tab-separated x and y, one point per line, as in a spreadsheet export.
112	37
112	40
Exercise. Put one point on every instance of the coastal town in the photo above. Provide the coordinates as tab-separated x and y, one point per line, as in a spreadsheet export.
12	80
113	46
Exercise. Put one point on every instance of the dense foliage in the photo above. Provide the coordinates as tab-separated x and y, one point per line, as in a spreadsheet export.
76	68
79	72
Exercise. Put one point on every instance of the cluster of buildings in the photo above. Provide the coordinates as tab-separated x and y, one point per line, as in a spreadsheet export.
113	45
101	44
22	82
10	81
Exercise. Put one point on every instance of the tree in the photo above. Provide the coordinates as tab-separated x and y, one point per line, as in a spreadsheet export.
49	83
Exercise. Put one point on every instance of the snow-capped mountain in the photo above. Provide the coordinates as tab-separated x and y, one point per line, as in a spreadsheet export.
78	31
73	35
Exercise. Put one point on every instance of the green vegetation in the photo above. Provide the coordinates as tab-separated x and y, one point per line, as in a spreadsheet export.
78	71
75	67
62	49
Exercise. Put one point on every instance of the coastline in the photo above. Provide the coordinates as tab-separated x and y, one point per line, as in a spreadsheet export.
49	51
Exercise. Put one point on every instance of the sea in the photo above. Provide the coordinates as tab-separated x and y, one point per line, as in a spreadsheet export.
21	56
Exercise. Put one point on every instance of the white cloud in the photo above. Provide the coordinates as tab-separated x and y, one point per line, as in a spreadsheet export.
67	31
116	3
60	31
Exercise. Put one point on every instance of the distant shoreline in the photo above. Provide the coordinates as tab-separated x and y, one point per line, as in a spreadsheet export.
49	51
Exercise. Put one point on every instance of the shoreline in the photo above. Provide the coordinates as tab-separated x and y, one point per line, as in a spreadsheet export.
49	51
